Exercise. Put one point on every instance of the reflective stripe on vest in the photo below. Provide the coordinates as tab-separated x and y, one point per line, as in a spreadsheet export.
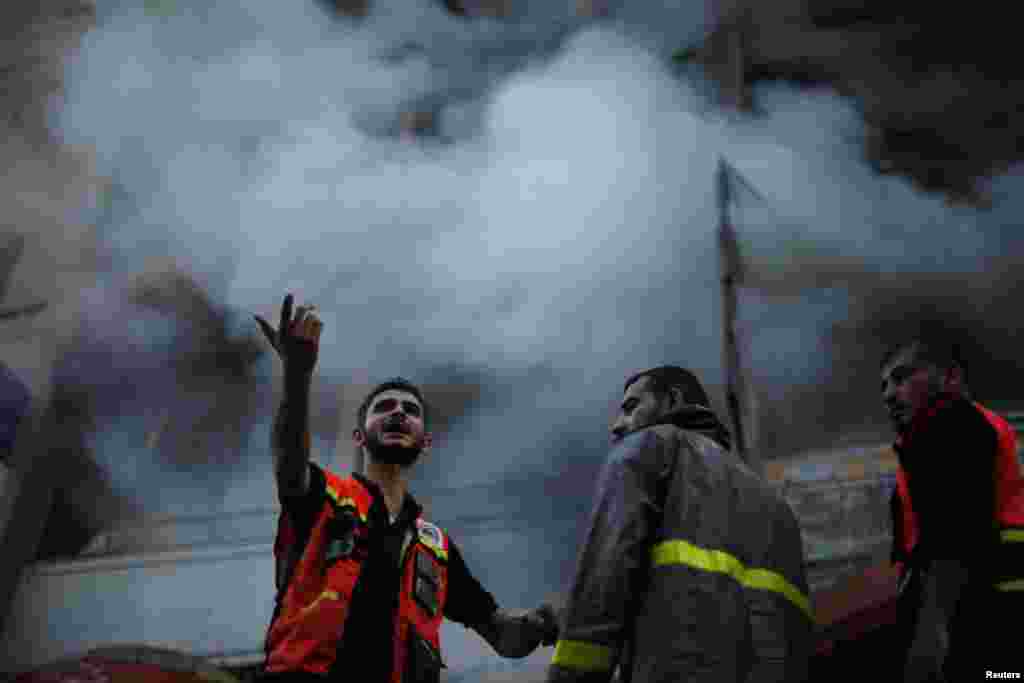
1012	535
581	656
683	553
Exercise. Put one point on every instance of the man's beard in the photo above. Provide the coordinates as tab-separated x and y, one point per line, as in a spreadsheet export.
402	456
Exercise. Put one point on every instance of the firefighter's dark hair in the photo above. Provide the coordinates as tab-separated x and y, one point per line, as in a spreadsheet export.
393	384
936	352
663	378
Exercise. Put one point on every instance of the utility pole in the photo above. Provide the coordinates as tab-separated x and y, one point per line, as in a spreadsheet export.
735	71
738	391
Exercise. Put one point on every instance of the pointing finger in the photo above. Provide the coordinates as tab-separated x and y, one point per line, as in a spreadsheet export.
286	314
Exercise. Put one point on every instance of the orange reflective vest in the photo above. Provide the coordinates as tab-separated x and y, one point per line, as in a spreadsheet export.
1008	514
312	613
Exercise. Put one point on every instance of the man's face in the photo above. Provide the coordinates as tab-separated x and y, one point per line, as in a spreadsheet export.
639	407
908	387
394	431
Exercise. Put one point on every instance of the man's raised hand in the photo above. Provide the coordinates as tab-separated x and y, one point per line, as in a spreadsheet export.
297	338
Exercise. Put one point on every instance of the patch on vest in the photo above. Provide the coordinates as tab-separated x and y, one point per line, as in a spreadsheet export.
432	537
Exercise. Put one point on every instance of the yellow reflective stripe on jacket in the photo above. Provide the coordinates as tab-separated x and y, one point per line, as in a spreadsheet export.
1015	585
1012	535
681	552
575	654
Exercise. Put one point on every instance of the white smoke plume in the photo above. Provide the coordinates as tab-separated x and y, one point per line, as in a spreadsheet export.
552	232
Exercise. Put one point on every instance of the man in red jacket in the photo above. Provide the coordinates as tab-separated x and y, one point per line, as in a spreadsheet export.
958	519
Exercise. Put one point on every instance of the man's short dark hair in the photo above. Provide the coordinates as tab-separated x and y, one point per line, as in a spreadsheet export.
663	378
938	353
393	384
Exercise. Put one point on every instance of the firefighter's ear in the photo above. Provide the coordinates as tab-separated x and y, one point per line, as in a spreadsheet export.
675	398
954	380
428	441
358	437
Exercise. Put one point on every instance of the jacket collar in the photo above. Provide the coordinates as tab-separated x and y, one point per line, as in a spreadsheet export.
699	419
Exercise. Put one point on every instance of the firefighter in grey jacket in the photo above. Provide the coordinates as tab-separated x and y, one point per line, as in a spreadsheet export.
692	568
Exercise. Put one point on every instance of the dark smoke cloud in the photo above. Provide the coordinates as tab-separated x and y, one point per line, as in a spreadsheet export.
895	265
937	88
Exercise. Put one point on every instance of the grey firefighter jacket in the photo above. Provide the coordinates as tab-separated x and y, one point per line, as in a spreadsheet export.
692	569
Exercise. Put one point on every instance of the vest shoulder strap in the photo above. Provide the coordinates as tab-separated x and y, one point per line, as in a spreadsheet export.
348	492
